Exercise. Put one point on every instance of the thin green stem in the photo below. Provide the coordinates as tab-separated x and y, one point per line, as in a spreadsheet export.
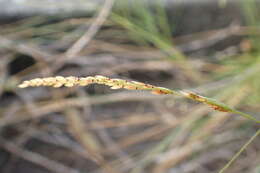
240	151
247	116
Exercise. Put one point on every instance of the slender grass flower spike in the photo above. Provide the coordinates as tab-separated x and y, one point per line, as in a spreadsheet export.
72	81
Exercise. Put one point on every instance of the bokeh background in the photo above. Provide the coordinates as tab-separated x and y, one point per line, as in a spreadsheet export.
211	47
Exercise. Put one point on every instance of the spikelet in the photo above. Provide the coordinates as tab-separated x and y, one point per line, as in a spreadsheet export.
214	104
161	90
71	81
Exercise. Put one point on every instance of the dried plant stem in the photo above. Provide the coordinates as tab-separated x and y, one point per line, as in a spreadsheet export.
83	41
88	140
36	158
71	81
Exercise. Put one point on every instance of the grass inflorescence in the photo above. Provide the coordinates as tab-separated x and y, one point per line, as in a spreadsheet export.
71	81
113	83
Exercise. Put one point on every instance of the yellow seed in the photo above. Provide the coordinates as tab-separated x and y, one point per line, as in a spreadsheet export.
116	87
196	97
27	83
57	85
38	82
91	79
118	81
83	81
71	79
23	85
109	83
60	79
33	82
49	81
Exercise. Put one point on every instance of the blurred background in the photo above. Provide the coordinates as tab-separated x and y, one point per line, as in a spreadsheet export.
208	46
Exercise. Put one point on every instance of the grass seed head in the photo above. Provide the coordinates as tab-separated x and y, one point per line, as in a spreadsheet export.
71	81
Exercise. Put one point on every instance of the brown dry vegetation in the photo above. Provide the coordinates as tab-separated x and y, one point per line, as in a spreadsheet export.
95	129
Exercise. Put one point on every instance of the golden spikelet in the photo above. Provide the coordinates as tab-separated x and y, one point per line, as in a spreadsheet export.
214	104
71	81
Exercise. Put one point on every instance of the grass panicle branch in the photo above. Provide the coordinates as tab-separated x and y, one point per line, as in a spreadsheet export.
71	81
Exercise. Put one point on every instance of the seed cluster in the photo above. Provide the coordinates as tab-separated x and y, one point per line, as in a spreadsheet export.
71	81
